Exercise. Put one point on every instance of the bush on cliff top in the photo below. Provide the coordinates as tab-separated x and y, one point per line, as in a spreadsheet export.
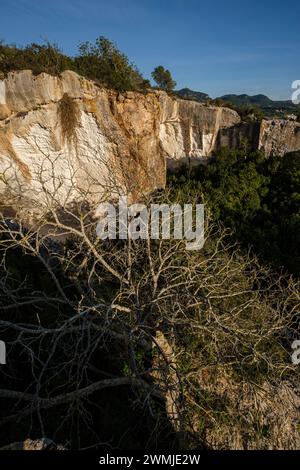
101	61
36	57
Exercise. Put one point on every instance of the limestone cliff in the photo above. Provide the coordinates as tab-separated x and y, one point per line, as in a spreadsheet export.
278	137
189	129
68	138
112	147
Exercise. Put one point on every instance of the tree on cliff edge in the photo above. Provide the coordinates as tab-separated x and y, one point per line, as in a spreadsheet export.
163	78
104	62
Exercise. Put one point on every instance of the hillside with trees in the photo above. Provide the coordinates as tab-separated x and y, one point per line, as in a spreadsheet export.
143	344
257	197
133	344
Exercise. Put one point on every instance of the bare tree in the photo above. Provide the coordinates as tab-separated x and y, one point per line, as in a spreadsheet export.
176	325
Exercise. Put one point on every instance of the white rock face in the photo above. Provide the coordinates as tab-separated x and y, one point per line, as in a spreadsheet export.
121	143
189	130
2	92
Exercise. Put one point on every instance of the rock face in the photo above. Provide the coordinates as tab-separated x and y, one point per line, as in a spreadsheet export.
190	130
114	146
38	444
65	138
233	137
278	137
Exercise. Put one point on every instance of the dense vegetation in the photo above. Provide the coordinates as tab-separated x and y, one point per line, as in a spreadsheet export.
129	345
101	61
257	197
36	57
104	62
135	344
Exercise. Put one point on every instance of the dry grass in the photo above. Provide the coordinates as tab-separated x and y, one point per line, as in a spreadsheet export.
69	114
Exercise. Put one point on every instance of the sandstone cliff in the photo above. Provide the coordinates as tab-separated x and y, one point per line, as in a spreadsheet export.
67	137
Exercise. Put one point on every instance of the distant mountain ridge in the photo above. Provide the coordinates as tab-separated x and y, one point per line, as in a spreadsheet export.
260	100
193	95
257	100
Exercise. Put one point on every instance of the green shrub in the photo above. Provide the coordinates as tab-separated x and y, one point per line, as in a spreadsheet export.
255	196
36	57
101	61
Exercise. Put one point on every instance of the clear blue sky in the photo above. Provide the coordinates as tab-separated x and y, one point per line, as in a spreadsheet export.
215	46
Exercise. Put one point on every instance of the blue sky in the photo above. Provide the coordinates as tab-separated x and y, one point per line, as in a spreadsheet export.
215	46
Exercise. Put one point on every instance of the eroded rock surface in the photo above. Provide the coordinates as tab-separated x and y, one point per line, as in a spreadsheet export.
121	143
279	136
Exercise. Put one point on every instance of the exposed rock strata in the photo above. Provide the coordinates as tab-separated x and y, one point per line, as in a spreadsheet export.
278	136
122	142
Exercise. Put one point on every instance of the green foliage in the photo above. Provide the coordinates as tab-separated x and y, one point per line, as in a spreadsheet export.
101	61
282	223
104	62
249	112
163	78
36	57
257	197
206	327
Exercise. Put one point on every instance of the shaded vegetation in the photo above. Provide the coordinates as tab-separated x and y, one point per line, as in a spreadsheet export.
71	325
256	196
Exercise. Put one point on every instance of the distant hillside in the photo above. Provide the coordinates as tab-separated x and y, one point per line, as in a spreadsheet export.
262	101
193	95
270	108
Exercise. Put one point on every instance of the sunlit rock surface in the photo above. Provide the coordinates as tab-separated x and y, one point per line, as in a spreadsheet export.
122	142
